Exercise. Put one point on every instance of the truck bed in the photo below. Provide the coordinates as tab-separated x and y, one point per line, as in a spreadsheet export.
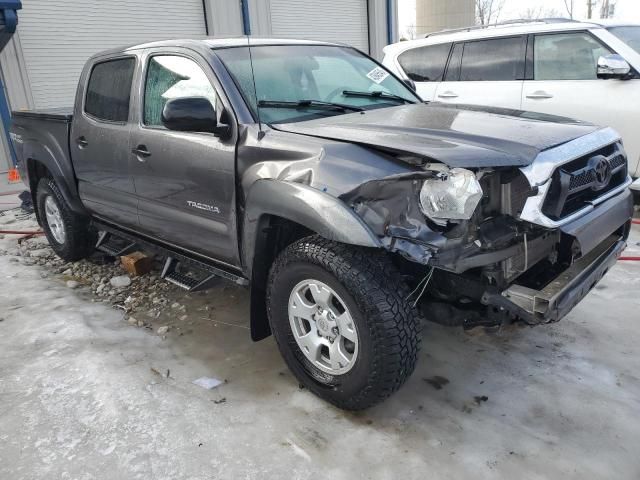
43	135
61	114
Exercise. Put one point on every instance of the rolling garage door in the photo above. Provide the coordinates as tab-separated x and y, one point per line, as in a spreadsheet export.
59	36
343	21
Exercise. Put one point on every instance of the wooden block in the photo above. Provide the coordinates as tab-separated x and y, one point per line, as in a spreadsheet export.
136	263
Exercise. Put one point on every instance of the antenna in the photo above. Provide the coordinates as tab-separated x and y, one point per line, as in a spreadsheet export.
261	132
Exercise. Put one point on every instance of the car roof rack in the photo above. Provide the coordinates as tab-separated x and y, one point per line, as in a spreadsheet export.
506	23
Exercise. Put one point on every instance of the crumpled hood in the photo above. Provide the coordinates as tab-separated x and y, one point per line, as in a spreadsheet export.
458	136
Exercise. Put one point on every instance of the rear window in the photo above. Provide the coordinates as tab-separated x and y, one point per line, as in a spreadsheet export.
493	60
425	64
109	90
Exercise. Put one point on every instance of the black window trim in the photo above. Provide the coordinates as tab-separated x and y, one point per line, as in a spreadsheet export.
99	61
521	62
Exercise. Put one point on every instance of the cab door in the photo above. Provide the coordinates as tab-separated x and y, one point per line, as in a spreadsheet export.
565	83
485	72
185	181
99	143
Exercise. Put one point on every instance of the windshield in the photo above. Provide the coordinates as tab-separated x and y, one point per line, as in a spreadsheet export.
303	82
629	35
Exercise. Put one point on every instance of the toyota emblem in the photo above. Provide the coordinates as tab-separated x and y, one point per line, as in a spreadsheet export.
602	172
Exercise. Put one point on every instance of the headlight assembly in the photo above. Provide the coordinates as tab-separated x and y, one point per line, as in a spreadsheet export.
451	195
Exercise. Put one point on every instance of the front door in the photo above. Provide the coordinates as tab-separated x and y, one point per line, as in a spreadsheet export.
485	72
185	181
99	142
565	83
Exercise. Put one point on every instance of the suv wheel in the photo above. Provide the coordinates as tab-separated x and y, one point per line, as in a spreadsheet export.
341	320
68	233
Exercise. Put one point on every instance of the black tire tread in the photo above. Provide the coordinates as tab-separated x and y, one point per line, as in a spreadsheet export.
381	294
80	238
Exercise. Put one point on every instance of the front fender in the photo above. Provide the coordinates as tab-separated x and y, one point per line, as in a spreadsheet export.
311	208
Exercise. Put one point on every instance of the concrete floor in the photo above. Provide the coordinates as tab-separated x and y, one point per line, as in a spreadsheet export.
84	395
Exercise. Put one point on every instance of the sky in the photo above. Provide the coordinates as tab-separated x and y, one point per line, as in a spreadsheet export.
628	10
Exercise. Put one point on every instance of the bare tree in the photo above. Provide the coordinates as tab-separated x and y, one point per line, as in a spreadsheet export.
532	13
568	4
591	5
488	11
536	13
410	31
607	8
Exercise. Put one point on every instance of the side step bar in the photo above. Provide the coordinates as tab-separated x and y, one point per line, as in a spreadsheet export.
116	242
113	246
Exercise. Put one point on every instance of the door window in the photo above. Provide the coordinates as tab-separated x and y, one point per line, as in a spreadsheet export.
109	90
493	60
425	64
169	77
567	56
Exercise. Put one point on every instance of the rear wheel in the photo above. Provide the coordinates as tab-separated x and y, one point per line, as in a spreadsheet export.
69	234
341	320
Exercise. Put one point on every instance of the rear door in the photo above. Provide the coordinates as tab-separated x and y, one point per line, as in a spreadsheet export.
485	72
185	181
99	143
425	66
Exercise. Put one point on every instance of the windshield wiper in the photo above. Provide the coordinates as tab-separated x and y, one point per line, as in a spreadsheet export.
379	94
308	104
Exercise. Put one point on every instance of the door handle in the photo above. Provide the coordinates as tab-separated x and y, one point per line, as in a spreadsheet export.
540	94
141	152
448	94
82	142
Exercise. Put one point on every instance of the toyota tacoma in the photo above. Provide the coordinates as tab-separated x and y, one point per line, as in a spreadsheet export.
314	176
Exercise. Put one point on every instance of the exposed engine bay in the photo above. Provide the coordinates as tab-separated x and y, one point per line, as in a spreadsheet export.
470	255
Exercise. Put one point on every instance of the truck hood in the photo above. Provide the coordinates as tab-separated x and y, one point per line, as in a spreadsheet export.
458	136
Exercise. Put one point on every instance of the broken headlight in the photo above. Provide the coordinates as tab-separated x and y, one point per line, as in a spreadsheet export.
450	195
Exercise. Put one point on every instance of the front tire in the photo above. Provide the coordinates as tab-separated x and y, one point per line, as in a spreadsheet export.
68	233
342	322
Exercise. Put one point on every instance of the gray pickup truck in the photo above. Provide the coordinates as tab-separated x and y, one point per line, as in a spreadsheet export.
310	173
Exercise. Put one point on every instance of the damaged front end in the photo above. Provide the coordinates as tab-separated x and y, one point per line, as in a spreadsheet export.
470	231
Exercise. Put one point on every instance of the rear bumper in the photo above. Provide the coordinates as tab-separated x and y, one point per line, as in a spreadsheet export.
609	224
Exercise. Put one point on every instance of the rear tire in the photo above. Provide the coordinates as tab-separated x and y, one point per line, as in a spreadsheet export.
368	321
68	233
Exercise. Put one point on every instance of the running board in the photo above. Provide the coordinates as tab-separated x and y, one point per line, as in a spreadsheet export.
114	246
116	242
182	280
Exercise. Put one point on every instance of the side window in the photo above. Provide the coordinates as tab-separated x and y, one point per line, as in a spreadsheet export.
168	77
425	64
495	59
109	90
567	56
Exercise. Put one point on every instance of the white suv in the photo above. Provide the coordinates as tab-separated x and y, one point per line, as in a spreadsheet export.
581	70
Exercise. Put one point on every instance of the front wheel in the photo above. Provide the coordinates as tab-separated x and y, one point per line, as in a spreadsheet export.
342	321
68	233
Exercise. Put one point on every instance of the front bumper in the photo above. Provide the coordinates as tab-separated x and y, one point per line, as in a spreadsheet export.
609	226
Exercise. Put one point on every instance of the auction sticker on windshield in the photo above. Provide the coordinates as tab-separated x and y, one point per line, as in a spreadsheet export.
378	74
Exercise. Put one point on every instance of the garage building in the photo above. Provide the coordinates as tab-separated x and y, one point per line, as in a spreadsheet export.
41	65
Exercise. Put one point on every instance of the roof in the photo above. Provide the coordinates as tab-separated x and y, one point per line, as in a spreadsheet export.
215	42
503	30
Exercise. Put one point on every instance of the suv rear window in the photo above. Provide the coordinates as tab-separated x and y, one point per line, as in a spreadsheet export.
109	89
425	64
494	59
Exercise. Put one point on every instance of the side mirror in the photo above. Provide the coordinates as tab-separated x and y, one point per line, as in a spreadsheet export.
192	114
613	66
410	83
